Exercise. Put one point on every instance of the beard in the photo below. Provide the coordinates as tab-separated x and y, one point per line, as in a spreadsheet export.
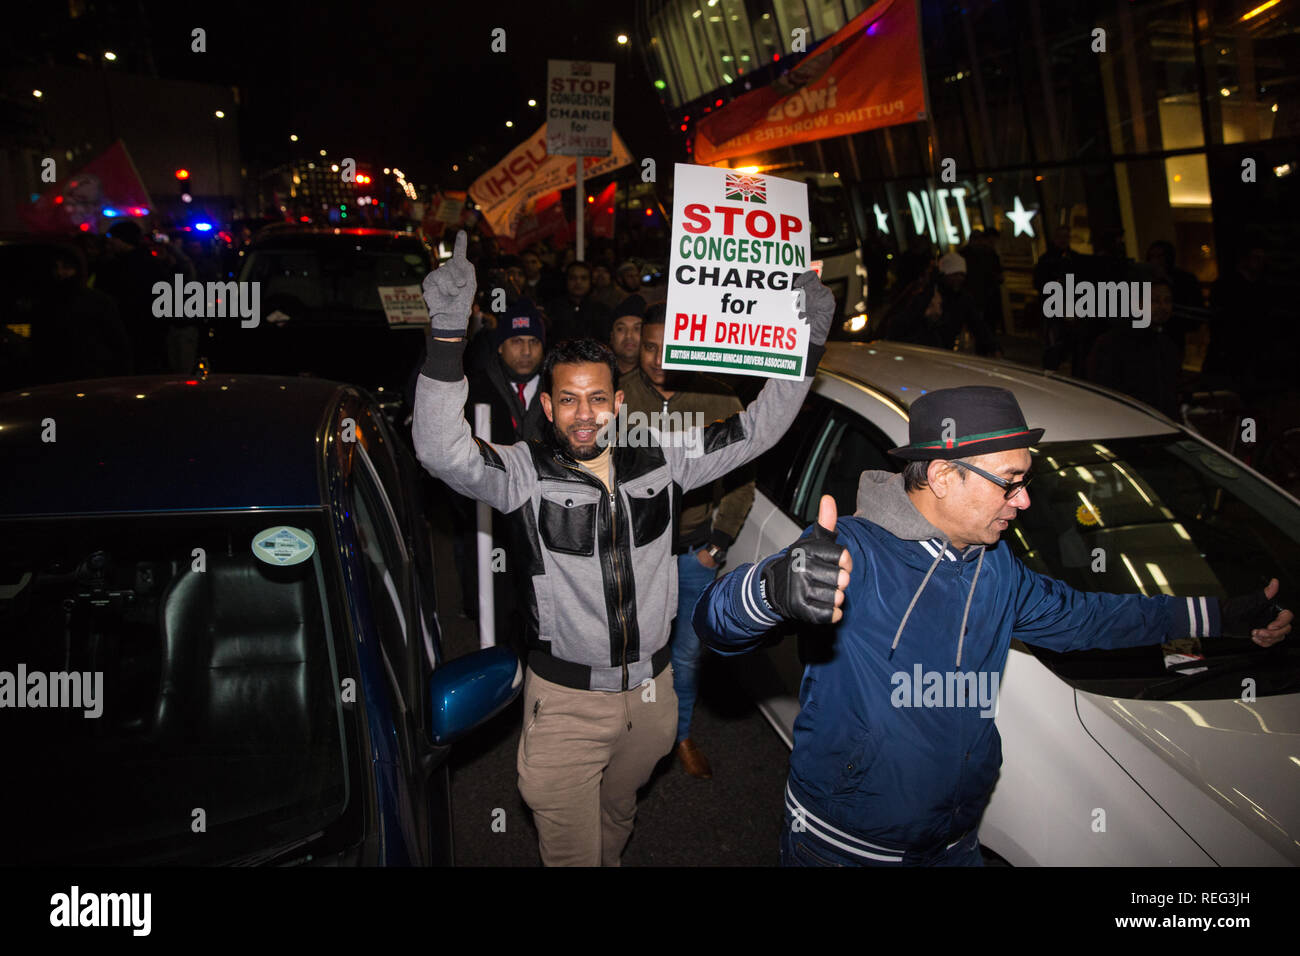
561	441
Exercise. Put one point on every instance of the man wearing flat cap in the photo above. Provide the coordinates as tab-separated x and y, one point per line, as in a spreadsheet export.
918	583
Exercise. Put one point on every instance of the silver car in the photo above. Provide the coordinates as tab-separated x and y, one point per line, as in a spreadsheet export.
1110	757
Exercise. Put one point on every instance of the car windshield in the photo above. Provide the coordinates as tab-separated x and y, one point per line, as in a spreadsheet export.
1162	515
321	278
168	696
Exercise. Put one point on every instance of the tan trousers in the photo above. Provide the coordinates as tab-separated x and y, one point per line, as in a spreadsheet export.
582	757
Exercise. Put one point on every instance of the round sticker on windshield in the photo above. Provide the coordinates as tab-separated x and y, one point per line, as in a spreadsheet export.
283	545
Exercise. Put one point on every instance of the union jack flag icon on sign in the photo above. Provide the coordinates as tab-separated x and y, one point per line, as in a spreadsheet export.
746	188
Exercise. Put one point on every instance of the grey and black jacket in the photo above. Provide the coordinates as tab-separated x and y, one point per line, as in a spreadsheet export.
603	579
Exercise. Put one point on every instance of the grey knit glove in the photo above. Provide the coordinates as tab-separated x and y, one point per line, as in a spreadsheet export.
449	294
817	306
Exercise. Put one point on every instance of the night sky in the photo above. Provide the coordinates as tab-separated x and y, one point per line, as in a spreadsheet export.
404	84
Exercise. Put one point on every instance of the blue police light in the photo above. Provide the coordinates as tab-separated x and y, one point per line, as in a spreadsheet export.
110	212
203	226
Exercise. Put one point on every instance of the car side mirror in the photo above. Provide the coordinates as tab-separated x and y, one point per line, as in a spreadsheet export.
471	690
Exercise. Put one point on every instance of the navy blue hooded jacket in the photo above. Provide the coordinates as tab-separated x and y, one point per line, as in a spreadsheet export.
873	771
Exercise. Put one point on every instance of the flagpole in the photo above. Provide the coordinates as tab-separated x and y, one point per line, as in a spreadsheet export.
581	212
932	136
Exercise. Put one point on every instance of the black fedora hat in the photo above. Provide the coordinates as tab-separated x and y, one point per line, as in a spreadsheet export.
971	420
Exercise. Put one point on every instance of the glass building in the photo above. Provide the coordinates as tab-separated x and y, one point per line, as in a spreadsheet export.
1127	121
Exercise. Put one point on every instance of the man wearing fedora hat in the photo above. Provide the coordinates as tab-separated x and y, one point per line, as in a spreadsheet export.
918	585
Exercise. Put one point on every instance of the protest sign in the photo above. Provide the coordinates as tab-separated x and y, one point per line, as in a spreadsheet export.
403	304
739	242
579	108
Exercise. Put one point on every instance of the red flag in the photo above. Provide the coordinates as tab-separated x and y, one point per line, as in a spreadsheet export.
866	76
108	182
545	219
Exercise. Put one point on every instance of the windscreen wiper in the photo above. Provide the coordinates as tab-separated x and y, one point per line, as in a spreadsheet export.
1212	667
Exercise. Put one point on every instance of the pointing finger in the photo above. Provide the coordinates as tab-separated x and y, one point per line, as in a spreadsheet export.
461	240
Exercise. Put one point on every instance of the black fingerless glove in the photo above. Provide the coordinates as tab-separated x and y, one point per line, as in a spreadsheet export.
1239	616
800	585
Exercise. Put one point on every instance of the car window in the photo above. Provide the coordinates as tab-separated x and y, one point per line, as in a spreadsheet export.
384	556
380	450
214	675
845	447
1161	515
832	229
331	276
776	469
399	476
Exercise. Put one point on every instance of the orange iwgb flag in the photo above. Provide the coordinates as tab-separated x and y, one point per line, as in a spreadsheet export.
866	76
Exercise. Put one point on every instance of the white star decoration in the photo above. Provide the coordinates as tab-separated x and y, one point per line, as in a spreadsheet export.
1020	218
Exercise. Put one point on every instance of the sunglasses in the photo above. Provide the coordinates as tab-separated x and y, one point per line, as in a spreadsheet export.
1009	488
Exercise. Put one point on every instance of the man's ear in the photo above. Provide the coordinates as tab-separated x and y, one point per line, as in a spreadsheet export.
546	407
936	476
618	400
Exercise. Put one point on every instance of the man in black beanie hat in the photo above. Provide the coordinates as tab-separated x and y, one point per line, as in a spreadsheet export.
625	333
882	774
508	383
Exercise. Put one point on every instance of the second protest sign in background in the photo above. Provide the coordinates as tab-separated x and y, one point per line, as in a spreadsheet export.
739	242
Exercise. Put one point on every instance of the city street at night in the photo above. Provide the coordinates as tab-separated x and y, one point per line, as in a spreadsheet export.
738	434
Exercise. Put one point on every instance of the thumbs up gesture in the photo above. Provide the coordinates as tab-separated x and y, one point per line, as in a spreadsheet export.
807	582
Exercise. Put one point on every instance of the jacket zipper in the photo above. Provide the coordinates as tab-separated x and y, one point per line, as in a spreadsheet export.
613	556
618	580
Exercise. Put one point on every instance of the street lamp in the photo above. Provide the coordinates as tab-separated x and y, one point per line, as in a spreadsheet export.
622	39
220	114
110	55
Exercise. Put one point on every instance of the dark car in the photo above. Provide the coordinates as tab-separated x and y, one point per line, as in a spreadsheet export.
218	630
323	313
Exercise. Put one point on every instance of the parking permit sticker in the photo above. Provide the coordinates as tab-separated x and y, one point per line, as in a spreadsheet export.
283	545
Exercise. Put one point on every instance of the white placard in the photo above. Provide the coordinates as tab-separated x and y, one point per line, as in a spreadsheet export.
403	304
579	108
739	242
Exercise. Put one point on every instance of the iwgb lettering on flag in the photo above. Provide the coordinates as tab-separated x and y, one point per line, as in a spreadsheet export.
739	243
865	76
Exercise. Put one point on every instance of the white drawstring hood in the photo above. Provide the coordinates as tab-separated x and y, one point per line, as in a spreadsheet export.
882	501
